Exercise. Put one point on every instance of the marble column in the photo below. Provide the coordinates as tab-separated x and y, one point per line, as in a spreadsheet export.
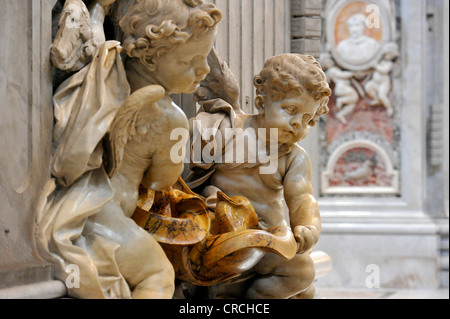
26	121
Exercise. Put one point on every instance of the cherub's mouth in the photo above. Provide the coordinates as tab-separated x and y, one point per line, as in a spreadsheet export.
196	84
200	79
289	132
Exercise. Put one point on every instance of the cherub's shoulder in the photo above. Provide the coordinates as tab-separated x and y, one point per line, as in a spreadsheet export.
150	94
297	157
154	106
298	151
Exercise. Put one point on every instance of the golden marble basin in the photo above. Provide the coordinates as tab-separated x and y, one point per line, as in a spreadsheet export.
209	247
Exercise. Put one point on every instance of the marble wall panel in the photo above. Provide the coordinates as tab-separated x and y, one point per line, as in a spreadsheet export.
402	259
26	123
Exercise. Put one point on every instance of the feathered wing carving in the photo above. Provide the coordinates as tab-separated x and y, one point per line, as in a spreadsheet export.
123	127
220	83
73	46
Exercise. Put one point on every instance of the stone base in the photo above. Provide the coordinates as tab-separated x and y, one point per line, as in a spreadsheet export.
19	275
42	290
400	255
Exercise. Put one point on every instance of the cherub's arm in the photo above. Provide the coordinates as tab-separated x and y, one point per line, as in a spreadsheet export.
340	74
165	170
152	106
384	67
303	208
98	10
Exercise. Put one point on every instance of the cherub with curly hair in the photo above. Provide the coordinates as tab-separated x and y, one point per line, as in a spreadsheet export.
292	93
112	135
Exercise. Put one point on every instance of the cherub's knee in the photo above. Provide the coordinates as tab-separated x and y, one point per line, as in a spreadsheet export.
269	264
141	256
283	280
305	263
301	272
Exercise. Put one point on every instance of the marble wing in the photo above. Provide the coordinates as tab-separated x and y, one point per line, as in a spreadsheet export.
220	83
123	127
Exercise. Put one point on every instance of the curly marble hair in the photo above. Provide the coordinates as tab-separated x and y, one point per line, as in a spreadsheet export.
154	27
288	73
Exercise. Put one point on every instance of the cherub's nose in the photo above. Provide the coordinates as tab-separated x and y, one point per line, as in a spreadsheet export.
296	121
202	68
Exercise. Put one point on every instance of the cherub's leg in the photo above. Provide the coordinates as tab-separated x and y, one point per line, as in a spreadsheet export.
371	90
344	112
384	98
233	291
140	258
339	103
144	264
348	99
307	294
282	279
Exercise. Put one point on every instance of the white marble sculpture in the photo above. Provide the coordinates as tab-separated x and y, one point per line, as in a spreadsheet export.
292	93
113	124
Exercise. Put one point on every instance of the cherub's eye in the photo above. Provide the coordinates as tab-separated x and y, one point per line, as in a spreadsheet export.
307	118
290	109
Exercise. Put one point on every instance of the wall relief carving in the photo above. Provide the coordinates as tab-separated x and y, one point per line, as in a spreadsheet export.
361	59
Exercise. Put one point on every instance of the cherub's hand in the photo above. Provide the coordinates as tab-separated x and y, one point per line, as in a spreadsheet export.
306	237
105	3
99	10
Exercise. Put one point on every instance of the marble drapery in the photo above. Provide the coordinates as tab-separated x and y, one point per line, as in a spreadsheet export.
85	106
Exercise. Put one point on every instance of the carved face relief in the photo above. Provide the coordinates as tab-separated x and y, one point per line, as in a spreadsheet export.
358	48
356	34
290	116
182	69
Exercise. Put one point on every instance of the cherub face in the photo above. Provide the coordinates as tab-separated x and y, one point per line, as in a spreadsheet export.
182	69
291	116
356	30
357	26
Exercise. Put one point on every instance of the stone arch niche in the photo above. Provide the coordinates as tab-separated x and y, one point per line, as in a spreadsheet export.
360	167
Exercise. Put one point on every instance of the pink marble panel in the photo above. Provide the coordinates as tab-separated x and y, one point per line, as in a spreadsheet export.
364	118
360	167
